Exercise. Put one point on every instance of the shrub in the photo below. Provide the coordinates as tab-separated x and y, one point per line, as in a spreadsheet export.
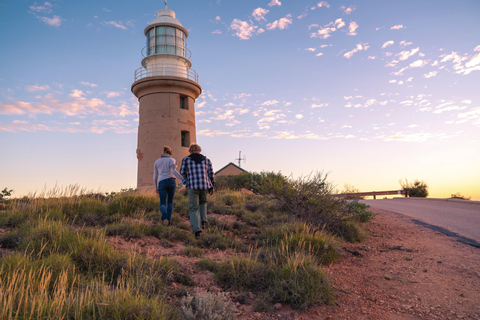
359	210
301	283
302	238
246	274
416	189
212	306
207	264
128	229
190	251
129	204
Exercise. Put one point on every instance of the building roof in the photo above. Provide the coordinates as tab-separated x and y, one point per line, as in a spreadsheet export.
231	164
166	17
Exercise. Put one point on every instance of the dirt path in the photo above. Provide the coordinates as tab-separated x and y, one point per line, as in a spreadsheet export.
405	271
402	271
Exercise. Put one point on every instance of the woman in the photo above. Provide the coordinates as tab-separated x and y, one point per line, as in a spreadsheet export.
164	174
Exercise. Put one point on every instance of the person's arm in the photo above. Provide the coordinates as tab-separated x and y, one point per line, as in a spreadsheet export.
183	169
174	171
155	175
210	176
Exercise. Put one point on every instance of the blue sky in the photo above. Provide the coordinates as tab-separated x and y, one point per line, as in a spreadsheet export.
371	92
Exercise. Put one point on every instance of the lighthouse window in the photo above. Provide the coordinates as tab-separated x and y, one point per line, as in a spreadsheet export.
183	102
171	49
185	139
160	39
160	30
170	40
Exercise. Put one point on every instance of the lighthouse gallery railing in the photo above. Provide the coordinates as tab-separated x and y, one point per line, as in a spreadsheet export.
166	70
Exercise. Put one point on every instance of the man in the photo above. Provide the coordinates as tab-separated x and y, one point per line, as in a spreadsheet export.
197	170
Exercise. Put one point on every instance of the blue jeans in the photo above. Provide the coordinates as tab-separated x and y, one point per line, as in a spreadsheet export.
166	192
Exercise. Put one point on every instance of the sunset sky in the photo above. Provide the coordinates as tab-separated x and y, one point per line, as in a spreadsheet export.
370	92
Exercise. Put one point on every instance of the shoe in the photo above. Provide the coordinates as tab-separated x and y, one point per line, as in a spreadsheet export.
165	222
203	224
197	234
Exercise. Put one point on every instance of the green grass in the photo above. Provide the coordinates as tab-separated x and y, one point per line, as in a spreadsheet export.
61	264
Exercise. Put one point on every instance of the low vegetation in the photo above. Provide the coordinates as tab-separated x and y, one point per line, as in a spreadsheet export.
417	189
57	259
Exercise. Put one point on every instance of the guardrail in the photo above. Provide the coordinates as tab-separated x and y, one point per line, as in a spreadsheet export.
373	193
171	71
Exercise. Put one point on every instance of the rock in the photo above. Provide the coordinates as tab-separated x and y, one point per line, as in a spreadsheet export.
387	277
215	289
277	306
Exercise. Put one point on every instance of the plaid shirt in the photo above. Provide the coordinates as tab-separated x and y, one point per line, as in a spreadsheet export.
199	175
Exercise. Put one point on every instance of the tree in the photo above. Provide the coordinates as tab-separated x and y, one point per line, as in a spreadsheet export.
416	189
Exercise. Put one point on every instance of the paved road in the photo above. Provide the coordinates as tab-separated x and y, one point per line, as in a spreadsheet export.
458	219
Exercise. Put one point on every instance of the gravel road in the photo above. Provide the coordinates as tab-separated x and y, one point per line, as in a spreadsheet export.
459	219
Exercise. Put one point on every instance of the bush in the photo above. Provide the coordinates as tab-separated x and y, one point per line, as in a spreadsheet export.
417	189
300	237
211	306
301	283
193	252
129	204
359	210
207	264
128	229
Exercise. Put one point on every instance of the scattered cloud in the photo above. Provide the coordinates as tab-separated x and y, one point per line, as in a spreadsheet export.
88	84
311	49
45	8
216	32
387	44
217	18
299	116
359	47
115	24
270	103
259	14
397	27
325	31
430	74
319	105
36	88
321	4
281	23
319	54
352	28
274	3
417	64
404	55
404	43
113	94
56	21
244	30
347	10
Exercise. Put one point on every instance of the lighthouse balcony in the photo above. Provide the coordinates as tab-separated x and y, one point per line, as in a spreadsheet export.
166	70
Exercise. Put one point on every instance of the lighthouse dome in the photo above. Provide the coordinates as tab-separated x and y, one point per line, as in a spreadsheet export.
166	17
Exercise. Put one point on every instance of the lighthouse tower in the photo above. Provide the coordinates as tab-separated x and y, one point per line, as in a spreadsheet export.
166	89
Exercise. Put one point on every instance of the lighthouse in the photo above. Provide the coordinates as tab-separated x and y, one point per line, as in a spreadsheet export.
166	88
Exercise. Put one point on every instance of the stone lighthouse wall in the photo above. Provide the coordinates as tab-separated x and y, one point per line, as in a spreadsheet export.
167	117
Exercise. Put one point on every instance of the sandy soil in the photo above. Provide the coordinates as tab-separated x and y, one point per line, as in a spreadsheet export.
402	271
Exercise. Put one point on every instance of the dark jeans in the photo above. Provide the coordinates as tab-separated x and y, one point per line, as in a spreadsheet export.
166	192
